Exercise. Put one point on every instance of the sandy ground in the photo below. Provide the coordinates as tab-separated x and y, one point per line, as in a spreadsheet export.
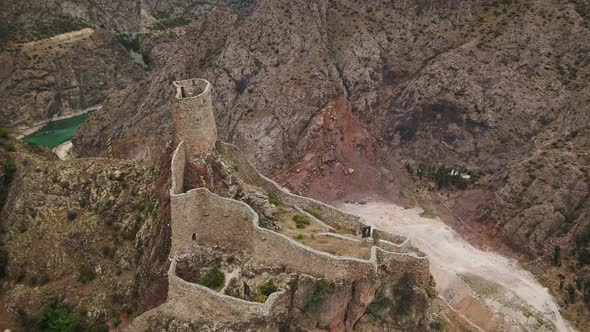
490	291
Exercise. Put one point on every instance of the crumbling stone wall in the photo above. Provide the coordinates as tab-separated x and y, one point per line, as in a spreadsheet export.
216	220
178	165
202	218
181	291
187	301
193	118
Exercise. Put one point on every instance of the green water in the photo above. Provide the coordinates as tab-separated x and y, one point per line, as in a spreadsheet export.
56	132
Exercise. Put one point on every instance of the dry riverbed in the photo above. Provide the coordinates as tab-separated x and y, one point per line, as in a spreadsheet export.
489	291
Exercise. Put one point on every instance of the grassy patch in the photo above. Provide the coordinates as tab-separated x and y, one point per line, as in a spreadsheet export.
6	140
48	27
174	22
313	213
273	199
130	42
404	294
301	221
260	298
427	213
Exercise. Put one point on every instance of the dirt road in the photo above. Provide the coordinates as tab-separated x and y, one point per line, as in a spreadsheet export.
490	291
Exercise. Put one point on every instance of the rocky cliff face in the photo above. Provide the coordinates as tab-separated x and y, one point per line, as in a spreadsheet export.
62	76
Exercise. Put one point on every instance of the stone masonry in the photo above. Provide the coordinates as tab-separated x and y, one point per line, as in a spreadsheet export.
194	121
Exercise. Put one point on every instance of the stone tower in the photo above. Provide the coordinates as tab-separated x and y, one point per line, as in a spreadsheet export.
192	113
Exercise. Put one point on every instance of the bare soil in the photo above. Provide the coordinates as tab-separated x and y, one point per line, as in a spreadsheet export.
489	290
309	236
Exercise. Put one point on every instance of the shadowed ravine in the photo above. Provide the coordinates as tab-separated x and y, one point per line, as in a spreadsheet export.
489	290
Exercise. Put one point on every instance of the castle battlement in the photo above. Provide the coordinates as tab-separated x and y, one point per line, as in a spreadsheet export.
193	117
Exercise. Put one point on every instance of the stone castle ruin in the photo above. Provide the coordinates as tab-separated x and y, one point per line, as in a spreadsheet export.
247	255
192	109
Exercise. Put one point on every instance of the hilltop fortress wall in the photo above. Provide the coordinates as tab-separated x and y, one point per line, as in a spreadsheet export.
200	218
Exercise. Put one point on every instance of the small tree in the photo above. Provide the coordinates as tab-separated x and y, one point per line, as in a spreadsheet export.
571	292
557	256
85	273
3	262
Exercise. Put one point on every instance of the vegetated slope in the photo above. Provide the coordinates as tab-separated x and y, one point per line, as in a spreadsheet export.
89	233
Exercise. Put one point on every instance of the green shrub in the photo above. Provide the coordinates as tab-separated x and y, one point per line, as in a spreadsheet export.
107	251
72	215
130	42
268	288
52	317
378	305
116	322
9	170
85	273
212	279
3	262
32	281
6	140
320	291
232	288
42	280
273	199
438	324
404	294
